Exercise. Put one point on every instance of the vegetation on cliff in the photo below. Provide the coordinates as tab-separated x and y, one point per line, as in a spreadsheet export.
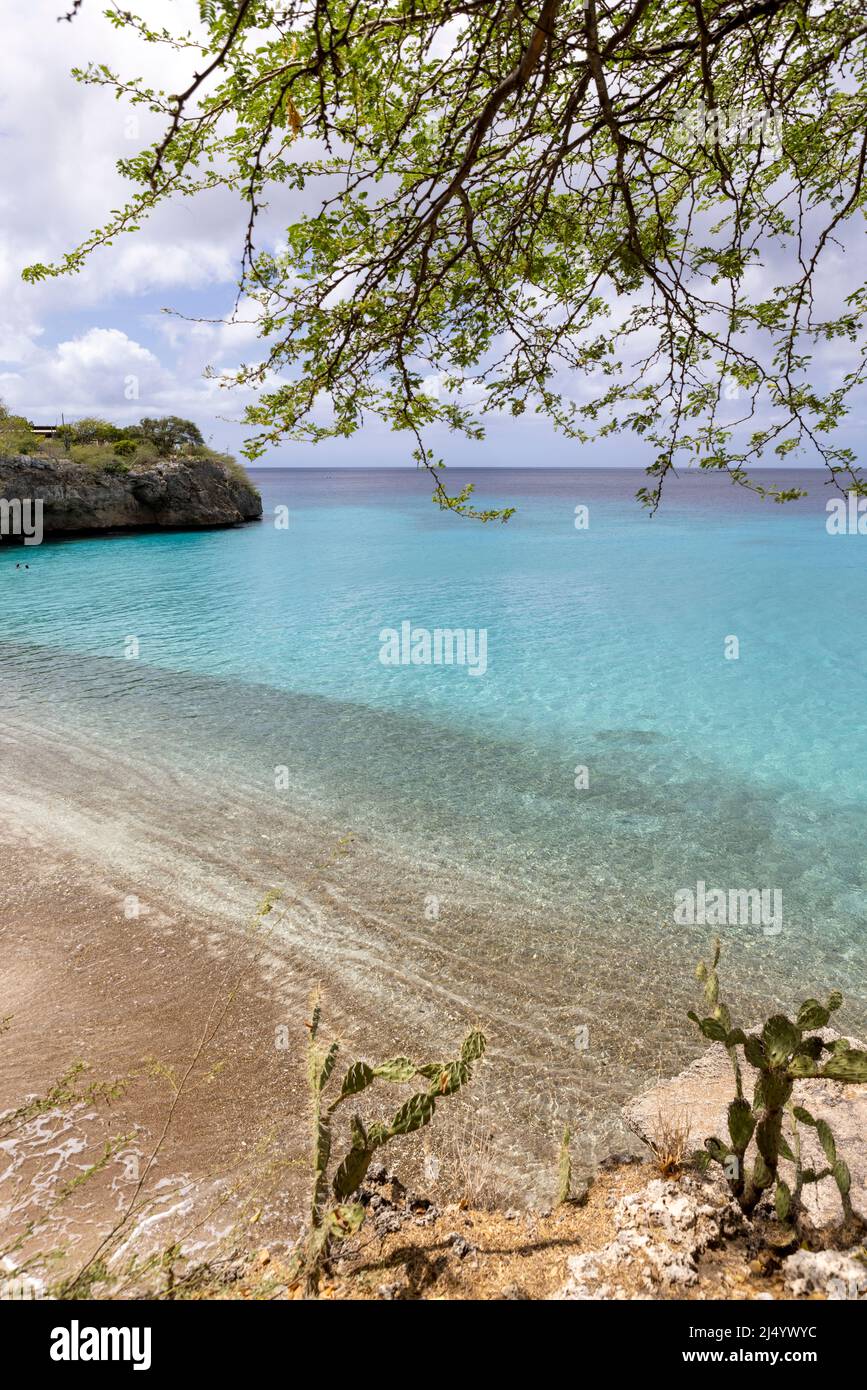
111	448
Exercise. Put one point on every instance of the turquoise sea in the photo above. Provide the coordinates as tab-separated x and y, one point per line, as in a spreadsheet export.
256	669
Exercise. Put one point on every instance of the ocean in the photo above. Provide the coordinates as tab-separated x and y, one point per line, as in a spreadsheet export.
652	731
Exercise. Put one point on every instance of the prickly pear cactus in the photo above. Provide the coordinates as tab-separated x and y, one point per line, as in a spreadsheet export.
784	1051
333	1215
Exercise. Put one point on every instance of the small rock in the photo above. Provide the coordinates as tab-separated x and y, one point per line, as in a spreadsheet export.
386	1222
831	1272
460	1245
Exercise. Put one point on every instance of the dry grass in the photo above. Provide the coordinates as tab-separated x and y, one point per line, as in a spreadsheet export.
670	1143
462	1151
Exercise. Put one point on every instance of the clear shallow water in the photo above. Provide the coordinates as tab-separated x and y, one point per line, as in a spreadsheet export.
260	647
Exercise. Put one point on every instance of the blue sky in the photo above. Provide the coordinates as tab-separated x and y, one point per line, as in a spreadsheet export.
73	346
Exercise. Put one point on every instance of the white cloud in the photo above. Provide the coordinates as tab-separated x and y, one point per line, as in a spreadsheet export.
103	370
59	144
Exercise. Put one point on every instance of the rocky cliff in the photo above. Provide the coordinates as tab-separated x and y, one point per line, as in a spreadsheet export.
182	493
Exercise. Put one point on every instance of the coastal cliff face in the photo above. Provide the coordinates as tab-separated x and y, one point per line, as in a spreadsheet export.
181	493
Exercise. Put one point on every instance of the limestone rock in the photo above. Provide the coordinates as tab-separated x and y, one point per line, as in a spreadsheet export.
662	1231
829	1272
181	493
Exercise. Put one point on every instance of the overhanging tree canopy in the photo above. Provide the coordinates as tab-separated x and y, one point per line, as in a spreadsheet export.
623	215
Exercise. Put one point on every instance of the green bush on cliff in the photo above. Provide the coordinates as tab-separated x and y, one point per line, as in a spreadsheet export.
170	434
101	445
16	436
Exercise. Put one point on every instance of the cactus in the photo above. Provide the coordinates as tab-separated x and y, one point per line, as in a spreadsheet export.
333	1214
784	1052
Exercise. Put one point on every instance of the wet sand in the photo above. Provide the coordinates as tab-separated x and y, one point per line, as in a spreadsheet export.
123	936
182	1015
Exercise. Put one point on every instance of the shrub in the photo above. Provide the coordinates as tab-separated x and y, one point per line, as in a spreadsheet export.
16	436
100	457
170	434
146	452
784	1051
91	455
92	430
333	1214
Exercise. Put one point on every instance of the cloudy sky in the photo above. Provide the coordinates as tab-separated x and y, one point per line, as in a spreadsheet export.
73	346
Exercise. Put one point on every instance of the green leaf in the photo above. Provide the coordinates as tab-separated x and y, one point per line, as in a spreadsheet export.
358	1077
328	1064
768	1139
835	999
826	1139
713	1029
413	1114
812	1015
473	1046
762	1175
803	1115
850	1066
450	1078
842	1176
396	1069
780	1038
776	1089
803	1065
351	1173
316	1005
759	1093
782	1201
755	1053
741	1124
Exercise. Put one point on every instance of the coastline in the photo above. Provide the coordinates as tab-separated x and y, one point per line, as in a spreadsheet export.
134	997
159	784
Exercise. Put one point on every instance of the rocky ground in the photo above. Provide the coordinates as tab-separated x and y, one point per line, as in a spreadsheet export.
653	1229
633	1235
98	985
